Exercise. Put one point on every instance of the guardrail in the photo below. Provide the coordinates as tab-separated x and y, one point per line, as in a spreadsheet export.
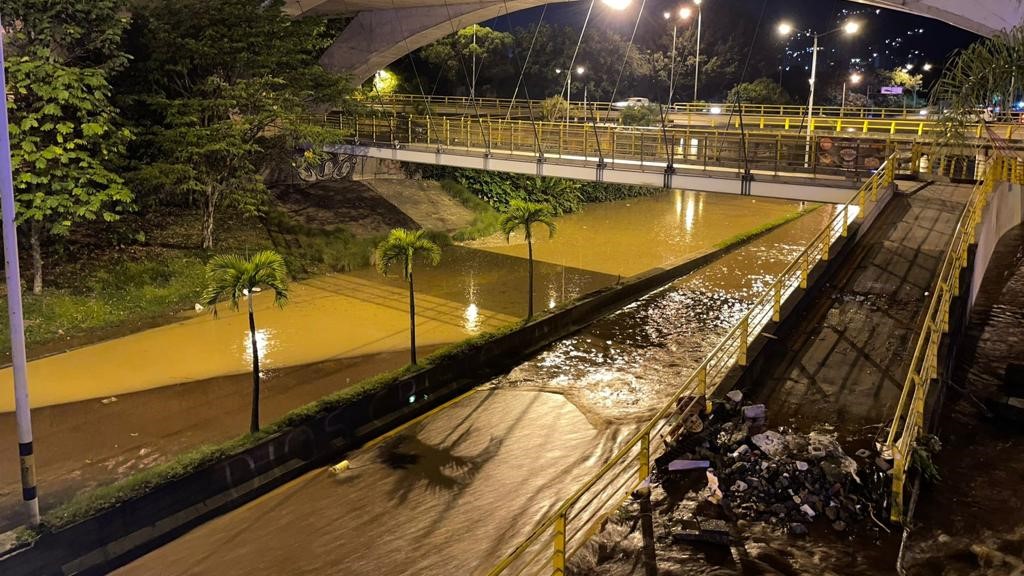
632	148
909	420
503	105
579	517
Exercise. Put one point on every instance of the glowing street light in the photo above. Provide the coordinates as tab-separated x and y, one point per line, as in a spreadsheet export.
850	28
854	79
617	4
927	67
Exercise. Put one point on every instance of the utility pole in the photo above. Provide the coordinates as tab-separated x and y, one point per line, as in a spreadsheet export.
12	268
472	87
696	67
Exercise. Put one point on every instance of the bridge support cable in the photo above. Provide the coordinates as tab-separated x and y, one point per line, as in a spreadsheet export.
529	54
572	63
522	73
465	72
629	46
416	74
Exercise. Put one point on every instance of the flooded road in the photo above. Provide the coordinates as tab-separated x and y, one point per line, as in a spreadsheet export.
360	313
108	410
451	493
971	522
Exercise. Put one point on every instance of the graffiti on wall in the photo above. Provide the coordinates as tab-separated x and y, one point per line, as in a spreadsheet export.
331	167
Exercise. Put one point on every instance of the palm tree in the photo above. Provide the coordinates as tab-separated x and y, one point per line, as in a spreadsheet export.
988	71
402	247
525	215
231	277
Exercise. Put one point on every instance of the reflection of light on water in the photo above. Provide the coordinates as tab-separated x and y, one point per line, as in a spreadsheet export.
551	303
679	204
471	318
854	211
265	343
690	209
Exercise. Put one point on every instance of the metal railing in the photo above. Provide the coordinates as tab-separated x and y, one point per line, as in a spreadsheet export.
461	104
631	148
579	517
909	421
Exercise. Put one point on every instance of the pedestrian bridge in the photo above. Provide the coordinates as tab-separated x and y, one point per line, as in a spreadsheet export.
814	167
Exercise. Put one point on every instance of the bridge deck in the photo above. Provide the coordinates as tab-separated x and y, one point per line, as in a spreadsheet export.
845	363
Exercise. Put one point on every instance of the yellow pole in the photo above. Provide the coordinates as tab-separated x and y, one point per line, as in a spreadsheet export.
558	554
741	358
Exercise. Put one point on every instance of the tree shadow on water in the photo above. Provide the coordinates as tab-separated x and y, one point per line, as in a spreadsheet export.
435	469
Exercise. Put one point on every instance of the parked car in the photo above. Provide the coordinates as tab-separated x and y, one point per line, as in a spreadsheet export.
634	102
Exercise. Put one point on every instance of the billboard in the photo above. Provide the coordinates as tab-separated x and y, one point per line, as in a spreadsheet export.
892	90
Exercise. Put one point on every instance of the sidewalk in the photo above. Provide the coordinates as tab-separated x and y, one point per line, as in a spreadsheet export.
845	364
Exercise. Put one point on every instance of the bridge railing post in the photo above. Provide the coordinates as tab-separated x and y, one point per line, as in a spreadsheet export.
644	457
702	386
558	553
777	303
826	243
804	265
741	354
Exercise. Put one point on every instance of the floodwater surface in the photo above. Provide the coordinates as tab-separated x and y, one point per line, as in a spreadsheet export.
455	491
105	411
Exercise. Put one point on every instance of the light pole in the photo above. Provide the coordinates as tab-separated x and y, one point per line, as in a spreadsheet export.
23	415
696	66
850	28
854	80
579	71
684	14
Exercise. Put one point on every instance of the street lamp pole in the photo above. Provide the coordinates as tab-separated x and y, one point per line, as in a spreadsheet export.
23	415
696	68
672	69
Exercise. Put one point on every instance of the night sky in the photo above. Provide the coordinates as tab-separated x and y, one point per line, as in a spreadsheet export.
895	37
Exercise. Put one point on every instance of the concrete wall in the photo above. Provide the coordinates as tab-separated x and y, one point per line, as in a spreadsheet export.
1004	211
117	536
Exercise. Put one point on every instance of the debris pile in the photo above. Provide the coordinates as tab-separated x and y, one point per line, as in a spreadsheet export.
776	476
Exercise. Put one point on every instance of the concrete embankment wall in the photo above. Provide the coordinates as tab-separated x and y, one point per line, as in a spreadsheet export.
118	535
1004	211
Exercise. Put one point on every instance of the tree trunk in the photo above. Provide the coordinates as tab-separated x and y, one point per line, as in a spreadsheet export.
254	423
412	320
209	207
35	240
529	248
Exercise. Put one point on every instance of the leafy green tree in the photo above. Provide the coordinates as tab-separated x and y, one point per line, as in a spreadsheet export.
646	115
453	57
226	90
526	215
65	137
760	91
401	248
986	72
554	109
231	278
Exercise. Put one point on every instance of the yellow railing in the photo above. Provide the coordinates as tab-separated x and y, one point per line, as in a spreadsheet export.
909	420
579	517
631	148
797	114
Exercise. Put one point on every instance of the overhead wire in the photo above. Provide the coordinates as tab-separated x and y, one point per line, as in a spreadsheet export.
515	55
465	71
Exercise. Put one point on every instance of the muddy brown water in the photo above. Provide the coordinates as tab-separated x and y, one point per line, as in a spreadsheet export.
450	494
974	516
110	409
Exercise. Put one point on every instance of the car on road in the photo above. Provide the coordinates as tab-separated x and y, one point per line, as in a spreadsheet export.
634	102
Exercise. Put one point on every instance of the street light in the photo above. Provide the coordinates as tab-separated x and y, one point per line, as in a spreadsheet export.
850	28
854	79
617	4
684	14
927	67
696	62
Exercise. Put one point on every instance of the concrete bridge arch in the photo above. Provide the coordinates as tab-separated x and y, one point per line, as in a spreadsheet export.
382	31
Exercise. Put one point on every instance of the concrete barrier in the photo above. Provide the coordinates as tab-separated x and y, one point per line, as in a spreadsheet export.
120	534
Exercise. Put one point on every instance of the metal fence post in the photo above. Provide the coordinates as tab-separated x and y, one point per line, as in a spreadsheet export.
741	357
558	554
645	457
896	512
846	219
826	243
803	272
777	308
702	385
